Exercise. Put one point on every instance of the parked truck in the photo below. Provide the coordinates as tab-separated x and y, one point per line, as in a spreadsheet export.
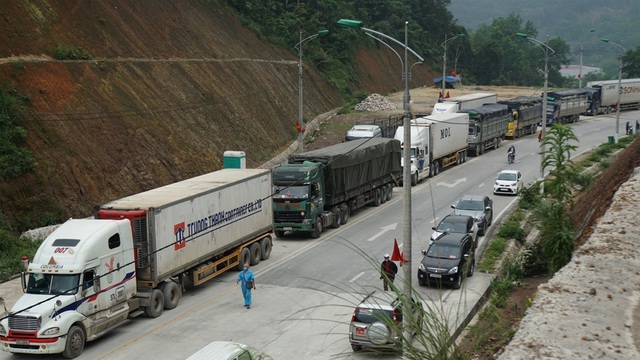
91	275
566	106
603	96
464	102
526	113
487	126
319	189
437	141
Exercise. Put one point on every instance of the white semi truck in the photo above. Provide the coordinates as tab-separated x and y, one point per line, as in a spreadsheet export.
439	139
91	275
603	96
463	102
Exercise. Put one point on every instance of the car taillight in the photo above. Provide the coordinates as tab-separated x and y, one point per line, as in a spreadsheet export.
353	317
395	318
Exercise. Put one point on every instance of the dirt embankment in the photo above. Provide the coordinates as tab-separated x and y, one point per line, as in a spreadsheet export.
170	87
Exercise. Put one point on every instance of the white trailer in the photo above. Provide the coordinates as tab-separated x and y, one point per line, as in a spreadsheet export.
463	102
91	275
439	140
604	96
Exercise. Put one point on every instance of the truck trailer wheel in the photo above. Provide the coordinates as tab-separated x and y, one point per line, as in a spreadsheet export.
256	253
266	245
384	195
245	258
389	191
344	213
156	304
377	197
337	218
317	228
279	233
172	294
75	343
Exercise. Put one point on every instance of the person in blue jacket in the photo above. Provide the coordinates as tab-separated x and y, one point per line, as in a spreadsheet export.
248	283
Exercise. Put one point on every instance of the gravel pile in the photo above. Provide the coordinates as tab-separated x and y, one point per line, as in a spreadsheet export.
375	102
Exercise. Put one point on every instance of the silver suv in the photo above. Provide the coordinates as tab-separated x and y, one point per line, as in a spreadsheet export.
378	323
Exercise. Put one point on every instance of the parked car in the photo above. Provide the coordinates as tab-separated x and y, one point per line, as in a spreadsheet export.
228	350
448	260
478	206
508	182
461	224
378	322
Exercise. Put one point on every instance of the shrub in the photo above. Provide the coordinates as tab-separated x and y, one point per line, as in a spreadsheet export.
63	52
530	196
512	230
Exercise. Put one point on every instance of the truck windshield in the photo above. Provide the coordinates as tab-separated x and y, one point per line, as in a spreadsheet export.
53	284
291	192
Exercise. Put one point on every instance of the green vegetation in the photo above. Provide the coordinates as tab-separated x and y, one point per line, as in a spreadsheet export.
64	52
12	248
15	159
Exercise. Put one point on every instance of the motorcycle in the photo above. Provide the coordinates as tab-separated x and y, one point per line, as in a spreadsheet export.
511	157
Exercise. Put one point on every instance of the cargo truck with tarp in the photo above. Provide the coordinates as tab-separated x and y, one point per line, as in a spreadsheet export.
487	126
526	113
319	189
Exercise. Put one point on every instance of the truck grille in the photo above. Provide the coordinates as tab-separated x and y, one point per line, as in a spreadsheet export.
290	217
25	323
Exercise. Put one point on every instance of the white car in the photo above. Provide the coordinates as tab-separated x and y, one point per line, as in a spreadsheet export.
508	182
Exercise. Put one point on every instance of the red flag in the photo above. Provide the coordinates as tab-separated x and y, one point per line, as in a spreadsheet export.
448	96
396	255
540	136
439	95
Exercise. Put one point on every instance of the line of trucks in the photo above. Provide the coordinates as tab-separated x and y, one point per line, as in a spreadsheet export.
136	254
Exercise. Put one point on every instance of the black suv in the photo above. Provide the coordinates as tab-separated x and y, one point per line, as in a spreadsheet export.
478	206
377	322
449	258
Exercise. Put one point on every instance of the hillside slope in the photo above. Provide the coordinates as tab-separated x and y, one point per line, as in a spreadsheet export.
170	87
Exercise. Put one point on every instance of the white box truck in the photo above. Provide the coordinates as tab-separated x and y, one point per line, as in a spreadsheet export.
463	102
603	96
91	275
437	141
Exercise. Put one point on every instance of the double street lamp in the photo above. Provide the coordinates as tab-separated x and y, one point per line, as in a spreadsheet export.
545	48
378	36
300	125
580	73
444	59
619	85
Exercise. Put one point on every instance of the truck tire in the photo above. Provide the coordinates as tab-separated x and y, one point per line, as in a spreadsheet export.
279	233
172	294
266	245
74	345
256	253
156	304
337	217
389	191
436	168
245	258
377	197
384	195
344	213
317	228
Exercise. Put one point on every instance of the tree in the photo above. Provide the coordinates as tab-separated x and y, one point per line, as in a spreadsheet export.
557	155
631	63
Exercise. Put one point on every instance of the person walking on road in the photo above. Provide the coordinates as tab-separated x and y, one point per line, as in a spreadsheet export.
248	283
389	269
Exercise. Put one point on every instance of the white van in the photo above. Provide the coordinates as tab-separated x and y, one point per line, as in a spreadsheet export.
363	131
228	350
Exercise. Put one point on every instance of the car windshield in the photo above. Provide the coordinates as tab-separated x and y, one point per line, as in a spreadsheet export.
369	316
470	205
291	192
443	251
507	176
458	227
53	284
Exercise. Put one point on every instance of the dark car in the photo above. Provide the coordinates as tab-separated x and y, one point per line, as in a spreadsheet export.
463	224
377	322
478	206
449	259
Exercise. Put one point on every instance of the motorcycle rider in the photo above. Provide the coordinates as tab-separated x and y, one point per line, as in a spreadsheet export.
511	152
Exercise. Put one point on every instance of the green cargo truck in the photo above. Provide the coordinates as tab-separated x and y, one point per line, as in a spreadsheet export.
319	189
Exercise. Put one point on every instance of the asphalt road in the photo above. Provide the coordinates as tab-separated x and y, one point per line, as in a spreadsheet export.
308	288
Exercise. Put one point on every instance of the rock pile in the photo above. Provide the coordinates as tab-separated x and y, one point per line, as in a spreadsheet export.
375	102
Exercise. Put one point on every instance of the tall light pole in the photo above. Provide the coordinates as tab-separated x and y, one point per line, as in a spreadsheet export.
580	73
619	85
300	124
545	48
444	59
406	183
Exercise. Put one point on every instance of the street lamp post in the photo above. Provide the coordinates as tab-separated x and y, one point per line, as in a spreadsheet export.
444	59
406	184
619	85
299	46
580	73
545	48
